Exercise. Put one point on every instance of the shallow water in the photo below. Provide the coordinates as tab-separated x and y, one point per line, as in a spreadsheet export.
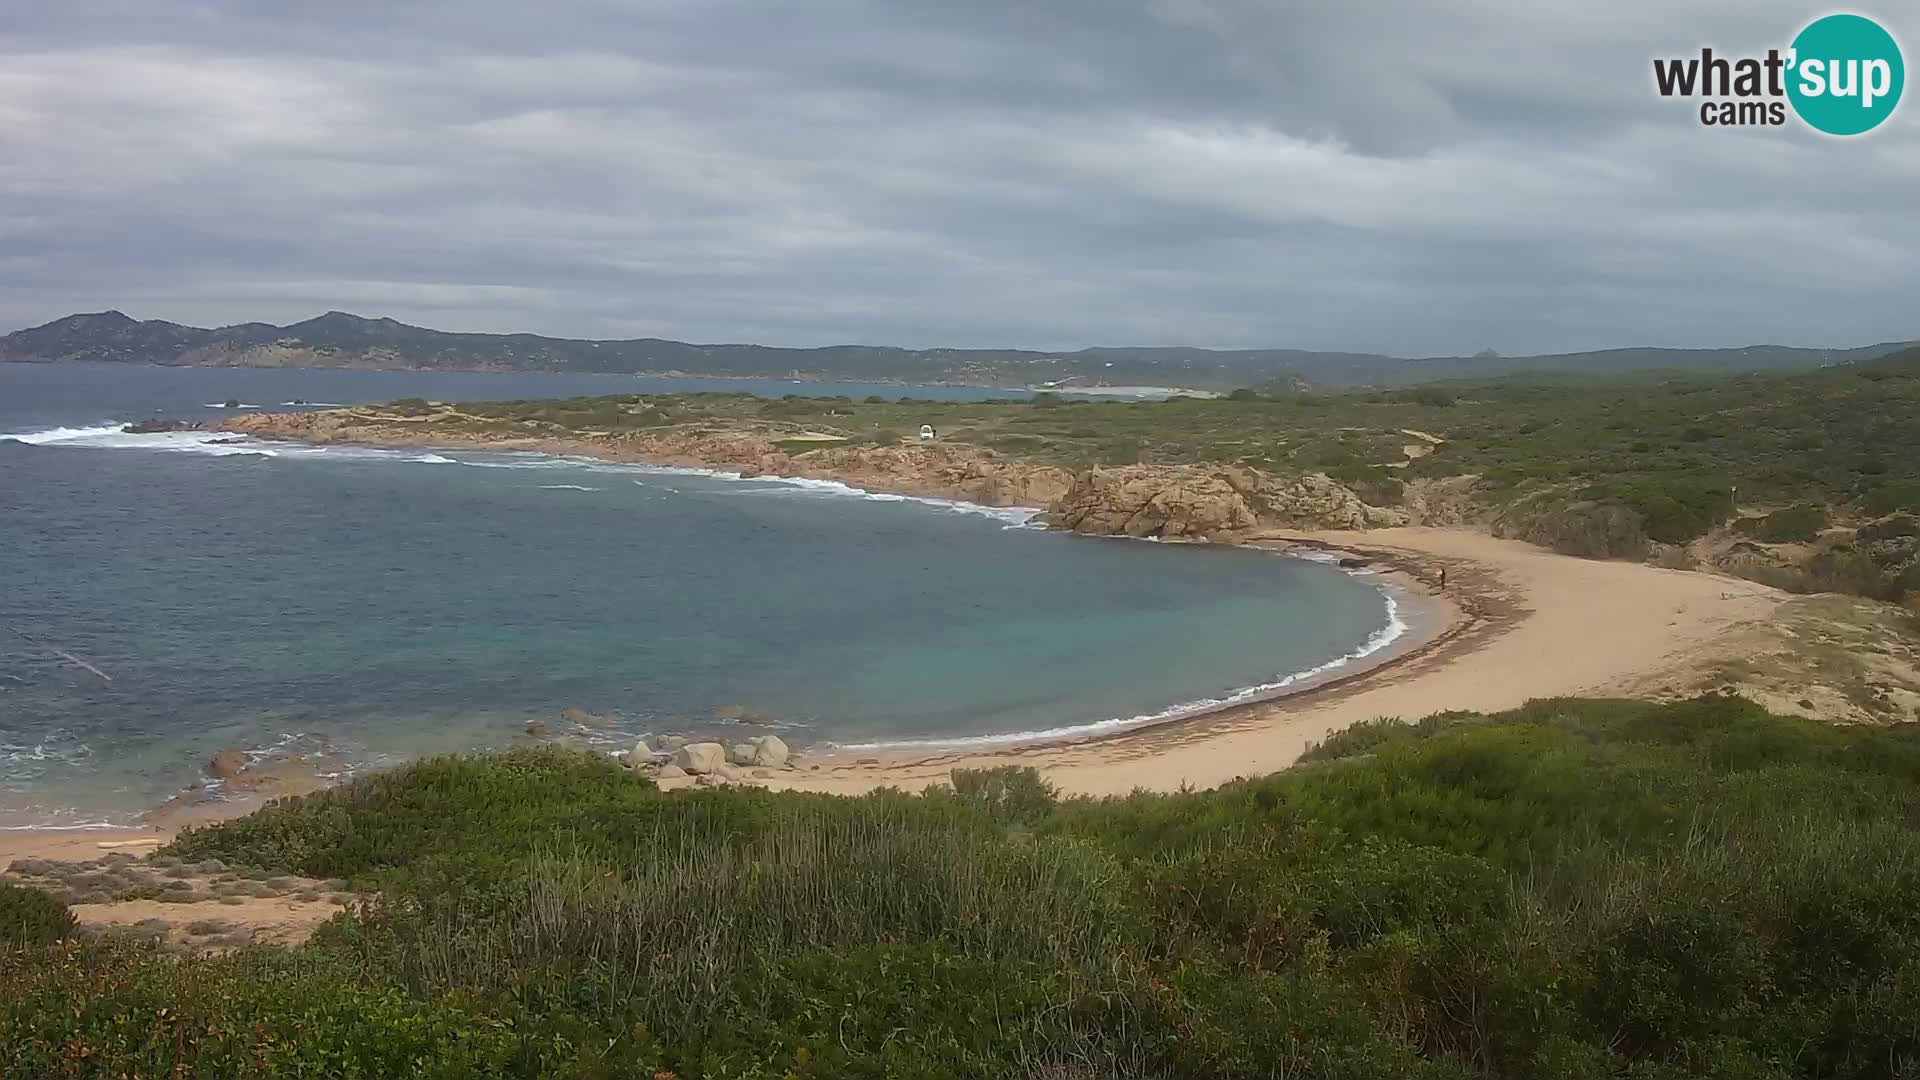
373	605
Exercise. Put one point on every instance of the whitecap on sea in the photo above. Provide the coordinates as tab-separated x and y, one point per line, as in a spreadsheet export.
115	437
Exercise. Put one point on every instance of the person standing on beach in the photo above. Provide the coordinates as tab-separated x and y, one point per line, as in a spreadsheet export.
1443	579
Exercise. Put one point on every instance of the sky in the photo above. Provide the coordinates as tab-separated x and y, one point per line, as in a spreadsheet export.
1392	176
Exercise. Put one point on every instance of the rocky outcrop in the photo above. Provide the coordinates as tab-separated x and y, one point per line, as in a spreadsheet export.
770	752
227	764
699	758
1441	501
1198	502
155	427
761	751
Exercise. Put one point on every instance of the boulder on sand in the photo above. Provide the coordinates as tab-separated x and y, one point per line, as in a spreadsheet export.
701	757
770	752
670	772
740	753
666	744
227	764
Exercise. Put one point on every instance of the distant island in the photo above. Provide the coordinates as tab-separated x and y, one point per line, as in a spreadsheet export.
341	340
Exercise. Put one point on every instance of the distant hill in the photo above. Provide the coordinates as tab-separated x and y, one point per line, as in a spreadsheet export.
338	339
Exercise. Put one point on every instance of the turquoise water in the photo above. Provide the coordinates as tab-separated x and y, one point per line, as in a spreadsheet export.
366	606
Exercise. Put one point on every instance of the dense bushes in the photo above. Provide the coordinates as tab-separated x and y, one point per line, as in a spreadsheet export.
1888	498
1574	889
124	1008
1593	529
30	917
1795	524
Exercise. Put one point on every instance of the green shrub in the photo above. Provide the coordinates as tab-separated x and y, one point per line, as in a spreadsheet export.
1007	793
1375	485
1121	452
124	1008
1888	498
1795	524
1575	888
30	917
1896	527
662	940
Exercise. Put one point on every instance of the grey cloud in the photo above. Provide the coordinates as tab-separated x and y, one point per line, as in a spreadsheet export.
1368	176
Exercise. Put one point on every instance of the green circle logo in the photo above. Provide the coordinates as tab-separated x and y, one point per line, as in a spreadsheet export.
1845	74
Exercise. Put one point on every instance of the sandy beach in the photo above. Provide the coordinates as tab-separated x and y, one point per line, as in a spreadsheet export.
1530	624
1514	623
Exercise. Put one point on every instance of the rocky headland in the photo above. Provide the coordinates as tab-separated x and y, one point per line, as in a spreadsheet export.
1218	503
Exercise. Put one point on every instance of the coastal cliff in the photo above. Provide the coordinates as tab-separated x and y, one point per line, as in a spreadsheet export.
1187	502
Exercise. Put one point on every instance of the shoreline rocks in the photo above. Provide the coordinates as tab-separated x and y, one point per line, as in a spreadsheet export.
698	758
160	426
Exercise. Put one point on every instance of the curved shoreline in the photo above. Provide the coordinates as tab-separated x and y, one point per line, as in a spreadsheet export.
1459	651
1533	624
1425	617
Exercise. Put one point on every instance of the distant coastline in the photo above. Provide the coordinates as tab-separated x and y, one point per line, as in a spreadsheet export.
343	340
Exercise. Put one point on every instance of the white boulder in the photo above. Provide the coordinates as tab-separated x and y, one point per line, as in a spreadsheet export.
701	757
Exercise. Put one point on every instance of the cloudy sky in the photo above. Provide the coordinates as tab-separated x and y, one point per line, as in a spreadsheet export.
1376	175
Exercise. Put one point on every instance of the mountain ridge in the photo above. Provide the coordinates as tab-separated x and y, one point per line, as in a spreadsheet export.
343	339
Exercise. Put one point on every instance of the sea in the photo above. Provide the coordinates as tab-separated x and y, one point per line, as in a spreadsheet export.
164	597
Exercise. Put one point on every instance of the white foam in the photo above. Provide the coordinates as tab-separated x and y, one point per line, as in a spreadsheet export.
1014	515
566	487
216	443
1314	555
224	405
219	443
1392	631
60	434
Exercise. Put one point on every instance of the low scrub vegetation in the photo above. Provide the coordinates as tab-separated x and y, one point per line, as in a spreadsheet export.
30	917
1594	466
1795	524
1575	889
